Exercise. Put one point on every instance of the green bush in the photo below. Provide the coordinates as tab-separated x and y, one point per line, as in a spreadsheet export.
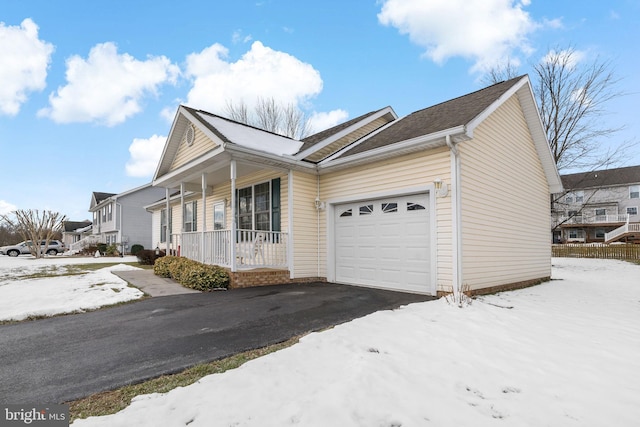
102	247
192	274
136	248
162	266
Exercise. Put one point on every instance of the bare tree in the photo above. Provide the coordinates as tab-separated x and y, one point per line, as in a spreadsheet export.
271	116
572	97
500	73
36	226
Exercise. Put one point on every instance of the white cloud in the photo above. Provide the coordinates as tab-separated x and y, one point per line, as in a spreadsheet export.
6	207
145	155
484	31
568	58
107	87
260	73
25	59
322	121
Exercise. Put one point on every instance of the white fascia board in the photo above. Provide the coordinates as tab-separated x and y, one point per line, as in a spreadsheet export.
186	168
190	119
527	99
269	159
162	203
169	138
347	131
431	140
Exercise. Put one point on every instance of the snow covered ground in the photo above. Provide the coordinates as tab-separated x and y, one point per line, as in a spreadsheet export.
24	294
565	353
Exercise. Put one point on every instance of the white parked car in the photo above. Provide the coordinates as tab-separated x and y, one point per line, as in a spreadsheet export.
55	247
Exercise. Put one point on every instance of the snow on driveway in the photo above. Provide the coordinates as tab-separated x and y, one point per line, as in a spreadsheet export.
24	294
564	353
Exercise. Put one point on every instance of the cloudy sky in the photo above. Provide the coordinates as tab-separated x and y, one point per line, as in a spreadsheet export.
88	89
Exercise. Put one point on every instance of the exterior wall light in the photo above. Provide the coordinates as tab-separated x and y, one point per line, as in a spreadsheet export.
441	188
319	204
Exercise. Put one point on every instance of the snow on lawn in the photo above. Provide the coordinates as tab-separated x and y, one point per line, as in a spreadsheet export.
23	293
564	353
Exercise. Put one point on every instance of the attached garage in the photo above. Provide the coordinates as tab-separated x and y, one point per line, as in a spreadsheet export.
384	243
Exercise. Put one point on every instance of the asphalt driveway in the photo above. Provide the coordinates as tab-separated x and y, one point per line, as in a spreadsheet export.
65	358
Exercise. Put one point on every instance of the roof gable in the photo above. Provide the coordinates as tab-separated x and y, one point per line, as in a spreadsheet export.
216	132
98	197
323	144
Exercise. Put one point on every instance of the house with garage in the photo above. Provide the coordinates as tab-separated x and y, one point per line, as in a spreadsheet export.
457	194
598	206
121	218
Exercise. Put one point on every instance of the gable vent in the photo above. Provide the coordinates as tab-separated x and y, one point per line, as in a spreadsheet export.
190	134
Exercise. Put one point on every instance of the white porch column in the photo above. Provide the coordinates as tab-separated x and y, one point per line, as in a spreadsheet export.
233	216
167	240
204	215
182	190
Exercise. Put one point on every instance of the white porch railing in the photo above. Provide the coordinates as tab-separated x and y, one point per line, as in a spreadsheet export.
593	219
81	244
254	248
620	231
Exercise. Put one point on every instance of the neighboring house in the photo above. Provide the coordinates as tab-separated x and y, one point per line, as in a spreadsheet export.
599	206
74	231
458	193
121	218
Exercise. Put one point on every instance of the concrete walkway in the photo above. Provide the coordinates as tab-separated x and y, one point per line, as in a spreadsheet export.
153	285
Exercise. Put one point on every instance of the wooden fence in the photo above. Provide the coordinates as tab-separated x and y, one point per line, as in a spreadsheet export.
622	252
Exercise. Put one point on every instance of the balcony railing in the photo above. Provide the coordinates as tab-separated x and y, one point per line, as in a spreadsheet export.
253	248
592	219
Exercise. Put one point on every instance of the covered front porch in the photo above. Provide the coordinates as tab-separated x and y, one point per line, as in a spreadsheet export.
239	250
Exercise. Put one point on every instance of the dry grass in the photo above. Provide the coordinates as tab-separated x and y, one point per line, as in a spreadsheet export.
110	402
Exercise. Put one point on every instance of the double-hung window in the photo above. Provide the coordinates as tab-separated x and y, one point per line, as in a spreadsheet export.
259	206
190	216
165	225
218	216
634	192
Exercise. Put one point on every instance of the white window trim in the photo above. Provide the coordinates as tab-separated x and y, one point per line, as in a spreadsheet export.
637	191
253	204
632	207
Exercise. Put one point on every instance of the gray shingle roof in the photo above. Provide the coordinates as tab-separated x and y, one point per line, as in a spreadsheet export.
101	196
447	115
74	225
602	178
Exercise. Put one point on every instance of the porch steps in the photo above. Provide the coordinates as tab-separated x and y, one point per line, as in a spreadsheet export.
628	230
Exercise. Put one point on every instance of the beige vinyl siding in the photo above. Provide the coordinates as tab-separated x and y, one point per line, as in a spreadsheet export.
305	227
201	145
346	140
505	203
398	174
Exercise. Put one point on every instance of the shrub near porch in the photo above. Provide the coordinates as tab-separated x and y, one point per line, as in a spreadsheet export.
192	274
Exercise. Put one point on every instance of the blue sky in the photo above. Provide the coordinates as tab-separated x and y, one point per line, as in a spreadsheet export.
88	89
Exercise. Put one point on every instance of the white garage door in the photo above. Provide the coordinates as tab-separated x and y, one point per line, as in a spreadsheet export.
384	243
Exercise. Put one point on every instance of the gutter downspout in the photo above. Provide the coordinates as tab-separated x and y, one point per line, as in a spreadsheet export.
456	219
